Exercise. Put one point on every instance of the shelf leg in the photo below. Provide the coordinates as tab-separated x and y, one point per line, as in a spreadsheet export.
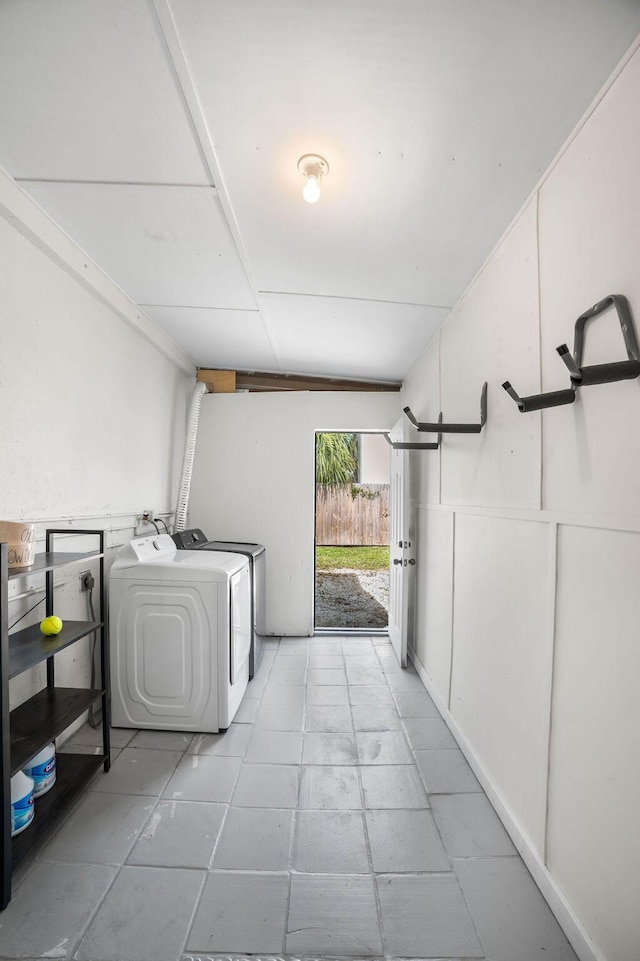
104	664
6	862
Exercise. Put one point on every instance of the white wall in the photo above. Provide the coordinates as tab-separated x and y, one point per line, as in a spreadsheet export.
254	480
93	402
529	535
375	459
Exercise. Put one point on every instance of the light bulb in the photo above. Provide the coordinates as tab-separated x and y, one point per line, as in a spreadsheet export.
311	190
313	168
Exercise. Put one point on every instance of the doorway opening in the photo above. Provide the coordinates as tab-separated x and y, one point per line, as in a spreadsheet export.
352	473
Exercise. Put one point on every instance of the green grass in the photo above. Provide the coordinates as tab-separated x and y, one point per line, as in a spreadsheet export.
355	558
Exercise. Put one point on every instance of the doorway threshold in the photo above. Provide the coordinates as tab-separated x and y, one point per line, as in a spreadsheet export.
352	631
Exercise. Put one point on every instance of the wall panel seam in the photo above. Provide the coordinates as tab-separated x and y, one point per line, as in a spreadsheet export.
552	600
539	324
629	524
440	408
453	605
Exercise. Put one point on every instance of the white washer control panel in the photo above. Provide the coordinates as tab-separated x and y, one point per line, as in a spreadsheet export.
153	548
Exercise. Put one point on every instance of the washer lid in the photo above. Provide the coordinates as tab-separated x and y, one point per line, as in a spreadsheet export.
239	547
208	561
157	558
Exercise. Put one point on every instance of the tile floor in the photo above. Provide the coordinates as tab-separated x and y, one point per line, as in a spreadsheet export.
335	818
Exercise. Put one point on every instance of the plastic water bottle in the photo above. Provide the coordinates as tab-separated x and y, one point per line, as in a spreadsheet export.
42	768
21	802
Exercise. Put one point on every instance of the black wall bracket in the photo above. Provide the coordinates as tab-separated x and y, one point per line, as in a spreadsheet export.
555	398
441	428
603	373
587	376
404	445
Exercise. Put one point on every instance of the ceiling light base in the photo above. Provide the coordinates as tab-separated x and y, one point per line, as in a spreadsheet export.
312	165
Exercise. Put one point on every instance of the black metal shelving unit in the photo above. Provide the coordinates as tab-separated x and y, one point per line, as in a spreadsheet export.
36	722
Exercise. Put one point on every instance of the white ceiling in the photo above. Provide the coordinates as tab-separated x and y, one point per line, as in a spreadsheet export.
163	136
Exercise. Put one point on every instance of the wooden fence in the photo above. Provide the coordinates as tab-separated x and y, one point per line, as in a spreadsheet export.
353	515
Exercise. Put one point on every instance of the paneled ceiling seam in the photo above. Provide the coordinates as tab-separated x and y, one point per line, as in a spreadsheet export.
116	183
360	300
186	86
239	310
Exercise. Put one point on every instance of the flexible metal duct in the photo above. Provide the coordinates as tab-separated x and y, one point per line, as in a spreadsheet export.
182	510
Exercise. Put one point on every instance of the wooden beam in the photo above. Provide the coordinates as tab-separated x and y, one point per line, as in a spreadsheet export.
218	381
254	380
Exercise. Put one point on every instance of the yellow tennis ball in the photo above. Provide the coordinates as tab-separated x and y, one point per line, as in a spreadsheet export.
51	625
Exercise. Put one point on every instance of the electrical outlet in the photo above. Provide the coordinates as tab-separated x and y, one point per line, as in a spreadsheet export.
148	515
86	581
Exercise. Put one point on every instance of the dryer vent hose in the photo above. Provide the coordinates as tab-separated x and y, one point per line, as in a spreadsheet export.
182	510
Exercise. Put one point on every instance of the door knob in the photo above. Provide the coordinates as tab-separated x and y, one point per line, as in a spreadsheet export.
397	560
412	561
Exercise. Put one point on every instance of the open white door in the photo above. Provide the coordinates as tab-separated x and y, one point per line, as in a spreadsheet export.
401	554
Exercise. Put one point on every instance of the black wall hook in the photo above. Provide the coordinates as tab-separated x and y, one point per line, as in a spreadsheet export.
587	376
599	373
603	373
441	428
555	398
404	445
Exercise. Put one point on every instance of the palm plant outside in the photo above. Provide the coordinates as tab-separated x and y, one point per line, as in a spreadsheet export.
336	459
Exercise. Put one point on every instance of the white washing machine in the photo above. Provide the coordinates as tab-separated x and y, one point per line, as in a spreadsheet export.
180	630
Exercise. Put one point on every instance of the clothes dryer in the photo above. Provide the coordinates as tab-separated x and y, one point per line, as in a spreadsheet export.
180	636
194	539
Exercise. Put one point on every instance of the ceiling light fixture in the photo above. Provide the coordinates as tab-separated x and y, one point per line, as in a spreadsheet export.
312	167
